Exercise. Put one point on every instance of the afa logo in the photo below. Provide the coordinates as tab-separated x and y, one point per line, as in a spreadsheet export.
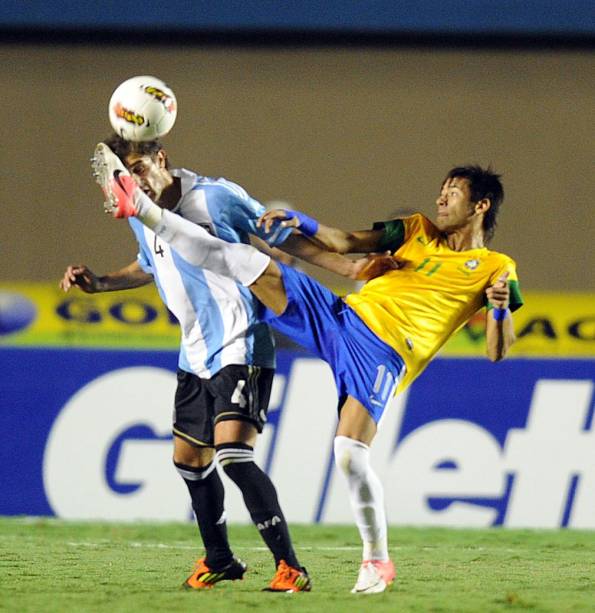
16	312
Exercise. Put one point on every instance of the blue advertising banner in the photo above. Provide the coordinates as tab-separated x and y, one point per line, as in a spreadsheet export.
86	434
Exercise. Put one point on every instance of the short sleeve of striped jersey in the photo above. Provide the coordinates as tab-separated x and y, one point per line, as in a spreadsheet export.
144	262
394	234
246	211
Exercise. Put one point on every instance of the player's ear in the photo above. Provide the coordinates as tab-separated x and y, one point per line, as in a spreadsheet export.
162	158
482	206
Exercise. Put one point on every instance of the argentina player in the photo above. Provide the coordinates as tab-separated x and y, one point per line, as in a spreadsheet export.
226	361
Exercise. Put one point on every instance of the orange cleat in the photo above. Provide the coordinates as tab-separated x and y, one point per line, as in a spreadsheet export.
115	181
204	578
289	579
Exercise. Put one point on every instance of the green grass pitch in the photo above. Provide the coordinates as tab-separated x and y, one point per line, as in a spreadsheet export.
57	566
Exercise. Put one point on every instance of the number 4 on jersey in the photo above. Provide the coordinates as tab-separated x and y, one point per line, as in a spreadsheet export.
158	248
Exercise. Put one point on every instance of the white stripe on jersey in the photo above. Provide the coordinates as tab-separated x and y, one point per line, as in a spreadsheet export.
178	302
227	294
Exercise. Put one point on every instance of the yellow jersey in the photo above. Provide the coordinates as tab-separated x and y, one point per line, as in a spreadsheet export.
417	308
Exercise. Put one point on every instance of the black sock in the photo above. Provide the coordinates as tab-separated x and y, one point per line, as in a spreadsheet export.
260	498
207	494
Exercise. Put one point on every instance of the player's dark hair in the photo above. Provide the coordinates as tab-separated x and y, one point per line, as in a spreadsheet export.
123	148
483	183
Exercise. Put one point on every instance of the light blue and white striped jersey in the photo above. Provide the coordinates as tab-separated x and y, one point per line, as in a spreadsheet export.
218	317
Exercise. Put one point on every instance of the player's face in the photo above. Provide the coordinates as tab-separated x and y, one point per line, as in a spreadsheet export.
455	208
150	173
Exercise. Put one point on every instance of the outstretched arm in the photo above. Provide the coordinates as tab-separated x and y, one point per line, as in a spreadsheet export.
331	239
362	268
499	325
84	278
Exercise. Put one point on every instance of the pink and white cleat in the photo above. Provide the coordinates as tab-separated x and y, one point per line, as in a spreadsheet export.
115	181
375	576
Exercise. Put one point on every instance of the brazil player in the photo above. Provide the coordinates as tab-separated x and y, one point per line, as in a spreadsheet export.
226	358
378	339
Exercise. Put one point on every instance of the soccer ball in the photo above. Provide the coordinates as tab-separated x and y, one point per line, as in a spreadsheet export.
142	108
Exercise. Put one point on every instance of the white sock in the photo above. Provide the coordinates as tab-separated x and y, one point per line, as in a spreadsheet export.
241	262
366	494
148	212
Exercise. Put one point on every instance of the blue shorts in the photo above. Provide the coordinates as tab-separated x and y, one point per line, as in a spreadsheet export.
363	365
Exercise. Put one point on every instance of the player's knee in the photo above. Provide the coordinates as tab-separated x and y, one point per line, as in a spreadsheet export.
194	474
351	456
232	457
191	456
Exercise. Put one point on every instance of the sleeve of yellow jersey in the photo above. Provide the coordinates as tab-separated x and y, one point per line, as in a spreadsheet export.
516	298
396	232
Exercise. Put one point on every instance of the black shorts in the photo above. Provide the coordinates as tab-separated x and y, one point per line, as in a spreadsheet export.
236	392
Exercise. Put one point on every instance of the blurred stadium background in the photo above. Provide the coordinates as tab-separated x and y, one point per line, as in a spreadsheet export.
348	111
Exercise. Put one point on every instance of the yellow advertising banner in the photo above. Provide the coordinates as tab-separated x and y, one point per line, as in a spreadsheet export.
548	325
40	314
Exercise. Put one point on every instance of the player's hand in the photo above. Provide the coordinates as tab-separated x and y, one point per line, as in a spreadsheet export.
499	293
284	217
374	265
82	277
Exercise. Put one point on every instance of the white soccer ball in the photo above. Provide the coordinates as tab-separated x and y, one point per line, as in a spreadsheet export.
142	108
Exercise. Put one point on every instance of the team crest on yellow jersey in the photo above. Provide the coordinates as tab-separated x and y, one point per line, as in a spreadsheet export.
472	264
